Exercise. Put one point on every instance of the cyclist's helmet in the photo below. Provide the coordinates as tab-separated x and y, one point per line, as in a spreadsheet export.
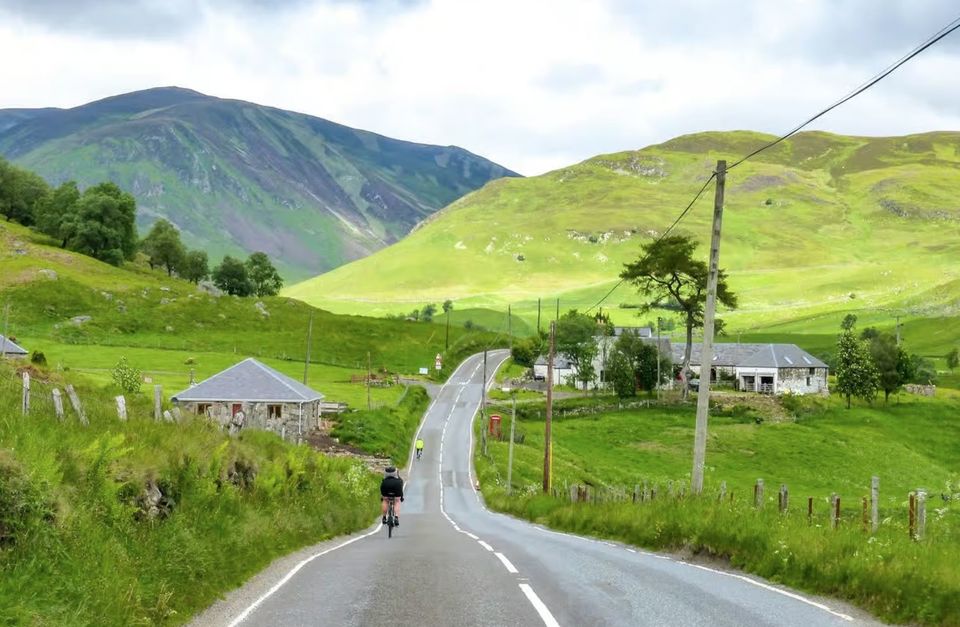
390	471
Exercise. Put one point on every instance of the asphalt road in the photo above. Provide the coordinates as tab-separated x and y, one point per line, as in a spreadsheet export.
452	562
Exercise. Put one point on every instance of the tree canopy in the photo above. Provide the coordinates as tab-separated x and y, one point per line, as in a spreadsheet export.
264	277
575	339
231	276
163	247
103	225
856	373
668	273
195	266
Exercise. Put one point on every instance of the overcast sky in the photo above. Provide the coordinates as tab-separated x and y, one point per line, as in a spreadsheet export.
531	84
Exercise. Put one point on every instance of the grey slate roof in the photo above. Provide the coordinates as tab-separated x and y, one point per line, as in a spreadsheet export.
559	362
251	381
752	356
640	331
9	347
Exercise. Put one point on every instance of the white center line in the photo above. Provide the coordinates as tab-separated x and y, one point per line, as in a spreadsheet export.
540	606
485	545
506	563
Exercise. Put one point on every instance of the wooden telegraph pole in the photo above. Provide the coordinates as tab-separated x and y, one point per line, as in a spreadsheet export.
513	431
706	354
510	326
446	345
547	444
658	358
368	380
483	405
538	316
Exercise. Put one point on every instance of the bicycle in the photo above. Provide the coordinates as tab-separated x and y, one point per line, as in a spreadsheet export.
391	517
419	453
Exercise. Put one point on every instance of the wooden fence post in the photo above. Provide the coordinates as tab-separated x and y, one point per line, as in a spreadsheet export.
121	408
574	492
758	493
25	401
723	491
167	416
636	492
646	492
809	509
57	403
783	499
177	415
835	510
921	513
866	516
157	402
912	516
77	407
875	503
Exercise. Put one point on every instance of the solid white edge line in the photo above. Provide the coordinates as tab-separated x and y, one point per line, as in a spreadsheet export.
539	605
506	563
485	545
785	593
471	535
243	615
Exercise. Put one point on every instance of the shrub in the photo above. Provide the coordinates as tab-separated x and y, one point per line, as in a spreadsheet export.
128	378
38	358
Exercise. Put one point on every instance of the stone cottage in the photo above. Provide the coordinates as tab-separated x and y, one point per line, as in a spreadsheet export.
10	349
251	395
765	368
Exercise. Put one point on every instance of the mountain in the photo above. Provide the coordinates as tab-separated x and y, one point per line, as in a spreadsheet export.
237	177
818	223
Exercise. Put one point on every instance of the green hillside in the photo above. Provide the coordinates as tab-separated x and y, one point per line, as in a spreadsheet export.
819	224
237	177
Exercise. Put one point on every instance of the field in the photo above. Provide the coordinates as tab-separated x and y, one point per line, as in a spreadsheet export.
818	449
822	225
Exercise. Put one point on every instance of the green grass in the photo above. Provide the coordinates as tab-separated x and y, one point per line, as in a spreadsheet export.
385	431
852	224
824	449
75	548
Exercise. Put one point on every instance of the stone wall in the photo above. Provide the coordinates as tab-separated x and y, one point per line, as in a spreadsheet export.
921	390
800	381
289	425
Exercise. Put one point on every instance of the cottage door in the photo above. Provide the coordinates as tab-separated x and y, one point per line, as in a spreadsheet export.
236	408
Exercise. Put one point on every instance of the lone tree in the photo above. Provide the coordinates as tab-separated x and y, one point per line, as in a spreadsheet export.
856	373
892	363
447	306
667	272
195	266
163	247
575	340
953	358
264	277
231	276
57	210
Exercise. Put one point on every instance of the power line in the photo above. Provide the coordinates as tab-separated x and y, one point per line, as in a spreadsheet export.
943	32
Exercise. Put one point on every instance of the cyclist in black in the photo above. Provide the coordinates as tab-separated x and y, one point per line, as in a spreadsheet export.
392	485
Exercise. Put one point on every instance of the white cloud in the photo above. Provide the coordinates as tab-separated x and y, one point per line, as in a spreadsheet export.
533	85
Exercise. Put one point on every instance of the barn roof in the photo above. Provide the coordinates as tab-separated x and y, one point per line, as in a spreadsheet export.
249	381
9	347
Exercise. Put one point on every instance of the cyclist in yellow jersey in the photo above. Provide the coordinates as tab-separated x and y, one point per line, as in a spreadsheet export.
419	447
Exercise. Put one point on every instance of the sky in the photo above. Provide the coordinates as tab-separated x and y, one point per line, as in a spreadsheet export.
531	84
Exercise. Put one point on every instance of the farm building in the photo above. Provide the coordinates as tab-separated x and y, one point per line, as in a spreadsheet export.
564	372
250	395
765	368
9	348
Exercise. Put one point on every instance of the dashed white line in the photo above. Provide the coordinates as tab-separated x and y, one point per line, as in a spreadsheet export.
471	535
506	563
485	545
539	605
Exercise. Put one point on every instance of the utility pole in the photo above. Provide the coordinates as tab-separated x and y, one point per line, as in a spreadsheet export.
510	327
368	380
306	362
6	325
538	316
706	353
898	330
658	358
483	405
558	310
547	444
513	430
446	345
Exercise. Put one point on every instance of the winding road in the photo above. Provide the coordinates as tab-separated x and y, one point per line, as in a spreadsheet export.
453	562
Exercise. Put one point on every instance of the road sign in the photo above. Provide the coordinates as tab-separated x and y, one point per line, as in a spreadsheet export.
439	362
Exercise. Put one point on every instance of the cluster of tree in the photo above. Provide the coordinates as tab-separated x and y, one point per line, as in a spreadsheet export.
670	277
874	362
426	313
100	222
953	358
255	276
163	249
632	365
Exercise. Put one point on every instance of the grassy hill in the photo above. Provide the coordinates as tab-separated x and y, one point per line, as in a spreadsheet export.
237	177
169	328
819	224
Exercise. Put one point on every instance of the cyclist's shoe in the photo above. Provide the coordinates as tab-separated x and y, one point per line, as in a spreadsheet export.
384	521
396	521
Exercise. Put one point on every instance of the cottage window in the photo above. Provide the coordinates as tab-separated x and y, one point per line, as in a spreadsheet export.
808	381
273	411
203	408
813	371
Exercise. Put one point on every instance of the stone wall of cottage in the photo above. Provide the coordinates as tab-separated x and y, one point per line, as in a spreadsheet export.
257	416
801	381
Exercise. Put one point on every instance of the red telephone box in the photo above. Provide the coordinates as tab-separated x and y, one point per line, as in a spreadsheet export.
495	425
